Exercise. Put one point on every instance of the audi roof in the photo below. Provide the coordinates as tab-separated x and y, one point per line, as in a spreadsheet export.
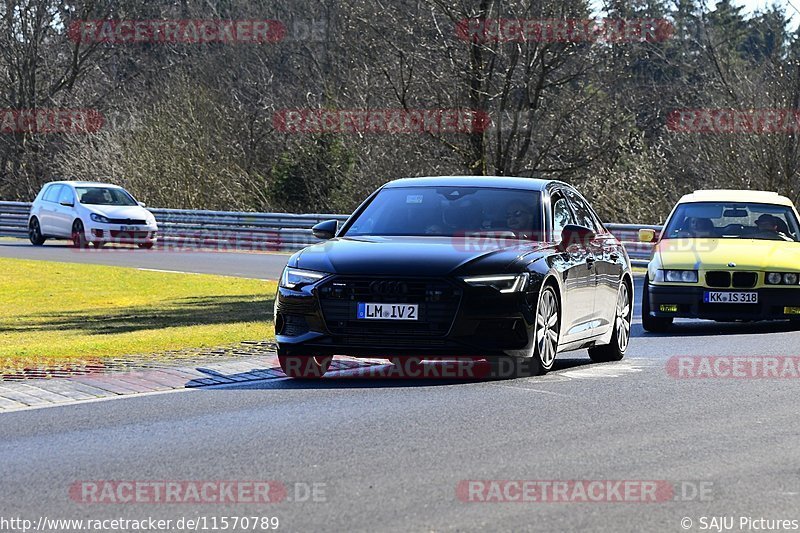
503	182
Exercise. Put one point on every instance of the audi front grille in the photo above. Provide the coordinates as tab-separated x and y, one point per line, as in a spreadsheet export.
438	301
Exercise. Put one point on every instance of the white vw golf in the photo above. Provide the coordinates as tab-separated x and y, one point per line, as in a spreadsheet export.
87	212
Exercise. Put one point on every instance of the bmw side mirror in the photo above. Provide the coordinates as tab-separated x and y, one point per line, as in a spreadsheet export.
142	204
575	234
647	235
325	230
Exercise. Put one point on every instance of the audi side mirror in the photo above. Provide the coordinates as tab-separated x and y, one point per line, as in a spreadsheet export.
575	234
325	230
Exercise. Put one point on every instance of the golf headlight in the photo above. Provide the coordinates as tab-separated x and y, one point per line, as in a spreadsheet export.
99	218
677	276
503	283
294	278
782	278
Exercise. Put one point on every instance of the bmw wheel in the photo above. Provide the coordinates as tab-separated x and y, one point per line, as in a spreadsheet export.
653	324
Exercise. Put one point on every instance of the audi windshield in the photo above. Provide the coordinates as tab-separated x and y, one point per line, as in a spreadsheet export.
449	212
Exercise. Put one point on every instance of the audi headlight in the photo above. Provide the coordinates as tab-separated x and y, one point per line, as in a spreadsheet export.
99	218
295	278
503	283
677	276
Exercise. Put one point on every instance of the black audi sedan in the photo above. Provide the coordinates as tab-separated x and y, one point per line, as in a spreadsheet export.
511	270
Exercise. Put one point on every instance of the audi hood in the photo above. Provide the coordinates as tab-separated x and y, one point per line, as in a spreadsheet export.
419	256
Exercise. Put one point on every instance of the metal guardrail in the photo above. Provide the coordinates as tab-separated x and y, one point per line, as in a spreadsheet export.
226	230
628	235
237	230
14	219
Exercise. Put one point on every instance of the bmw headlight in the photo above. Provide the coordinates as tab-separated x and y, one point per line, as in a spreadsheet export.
99	218
504	283
782	278
295	278
676	276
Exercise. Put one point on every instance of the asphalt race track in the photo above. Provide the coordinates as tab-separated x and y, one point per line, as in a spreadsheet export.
239	264
389	454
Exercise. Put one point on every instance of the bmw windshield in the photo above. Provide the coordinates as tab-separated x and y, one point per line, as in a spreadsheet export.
733	220
450	212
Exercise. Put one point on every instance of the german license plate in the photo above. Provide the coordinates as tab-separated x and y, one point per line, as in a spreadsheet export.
712	297
383	311
128	228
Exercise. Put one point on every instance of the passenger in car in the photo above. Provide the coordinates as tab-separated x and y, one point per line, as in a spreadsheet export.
702	227
519	218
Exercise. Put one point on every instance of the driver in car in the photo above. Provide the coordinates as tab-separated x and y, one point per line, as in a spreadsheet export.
769	226
519	218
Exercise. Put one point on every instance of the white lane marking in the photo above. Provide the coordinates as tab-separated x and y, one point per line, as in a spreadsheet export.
95	400
614	370
168	271
522	387
237	274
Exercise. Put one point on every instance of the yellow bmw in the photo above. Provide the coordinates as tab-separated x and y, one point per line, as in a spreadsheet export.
724	255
